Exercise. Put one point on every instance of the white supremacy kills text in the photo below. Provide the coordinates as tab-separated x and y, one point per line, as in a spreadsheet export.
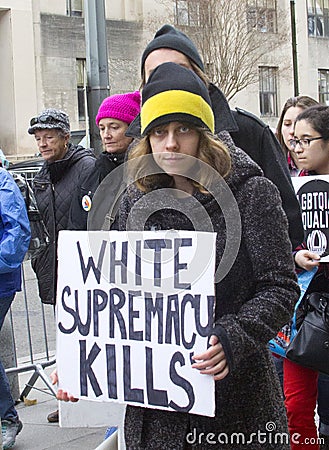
132	310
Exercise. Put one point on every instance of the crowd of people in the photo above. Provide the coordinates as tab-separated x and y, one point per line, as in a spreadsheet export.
304	389
181	124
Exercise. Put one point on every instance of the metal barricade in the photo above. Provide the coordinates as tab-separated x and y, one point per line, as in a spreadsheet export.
32	327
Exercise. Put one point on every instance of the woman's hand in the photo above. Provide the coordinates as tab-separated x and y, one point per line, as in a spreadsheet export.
54	376
61	394
212	361
307	260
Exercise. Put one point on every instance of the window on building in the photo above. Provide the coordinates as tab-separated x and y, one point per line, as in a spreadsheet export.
268	92
81	88
318	17
191	13
74	8
323	77
262	15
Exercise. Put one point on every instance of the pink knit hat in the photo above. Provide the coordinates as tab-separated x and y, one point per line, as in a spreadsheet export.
123	107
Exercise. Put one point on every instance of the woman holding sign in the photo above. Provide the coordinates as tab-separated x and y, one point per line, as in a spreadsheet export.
311	153
182	178
180	159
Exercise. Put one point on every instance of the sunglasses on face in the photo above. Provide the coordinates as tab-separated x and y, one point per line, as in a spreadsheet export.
43	119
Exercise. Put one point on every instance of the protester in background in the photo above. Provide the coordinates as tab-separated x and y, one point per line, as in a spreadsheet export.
114	115
285	133
285	127
14	242
247	131
311	149
256	296
54	187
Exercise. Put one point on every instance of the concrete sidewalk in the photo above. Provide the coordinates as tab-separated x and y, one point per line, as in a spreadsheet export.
38	434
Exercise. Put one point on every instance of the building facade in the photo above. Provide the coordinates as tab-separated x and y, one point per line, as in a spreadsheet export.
43	56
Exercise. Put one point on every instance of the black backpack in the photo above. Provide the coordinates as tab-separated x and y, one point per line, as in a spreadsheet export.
39	234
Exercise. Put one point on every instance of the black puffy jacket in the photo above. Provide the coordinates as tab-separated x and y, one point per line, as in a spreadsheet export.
55	188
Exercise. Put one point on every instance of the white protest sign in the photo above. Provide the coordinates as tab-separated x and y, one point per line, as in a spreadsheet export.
313	196
132	310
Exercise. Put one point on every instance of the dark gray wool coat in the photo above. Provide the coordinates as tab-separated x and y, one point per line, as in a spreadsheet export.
253	301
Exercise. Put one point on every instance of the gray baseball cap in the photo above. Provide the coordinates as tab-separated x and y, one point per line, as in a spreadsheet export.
50	118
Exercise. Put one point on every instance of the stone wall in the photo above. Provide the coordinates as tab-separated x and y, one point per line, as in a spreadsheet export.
63	41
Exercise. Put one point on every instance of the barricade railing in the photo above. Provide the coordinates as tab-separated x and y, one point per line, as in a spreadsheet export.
31	322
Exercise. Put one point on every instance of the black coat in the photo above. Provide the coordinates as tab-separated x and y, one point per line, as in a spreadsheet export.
81	219
253	301
257	140
105	163
55	187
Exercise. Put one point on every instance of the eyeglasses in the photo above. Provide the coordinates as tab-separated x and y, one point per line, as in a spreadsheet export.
43	119
303	143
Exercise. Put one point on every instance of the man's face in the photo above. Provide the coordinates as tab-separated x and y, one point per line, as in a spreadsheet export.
161	56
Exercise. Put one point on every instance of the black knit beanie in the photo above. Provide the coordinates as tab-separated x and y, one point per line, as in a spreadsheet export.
175	94
170	37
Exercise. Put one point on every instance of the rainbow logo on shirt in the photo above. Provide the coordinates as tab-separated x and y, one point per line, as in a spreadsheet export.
86	203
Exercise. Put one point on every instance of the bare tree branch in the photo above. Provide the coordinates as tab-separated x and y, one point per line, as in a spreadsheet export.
232	48
233	41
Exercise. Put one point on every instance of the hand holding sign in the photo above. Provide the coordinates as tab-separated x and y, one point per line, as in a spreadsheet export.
307	260
212	361
61	394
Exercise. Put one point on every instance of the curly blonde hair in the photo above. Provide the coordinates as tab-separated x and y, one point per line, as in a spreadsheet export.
212	152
